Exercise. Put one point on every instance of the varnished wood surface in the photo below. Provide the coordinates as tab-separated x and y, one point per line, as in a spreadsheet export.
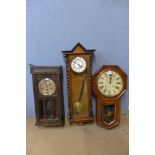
102	100
54	73
74	83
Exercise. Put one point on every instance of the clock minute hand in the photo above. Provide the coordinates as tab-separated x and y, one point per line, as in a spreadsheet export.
110	78
79	65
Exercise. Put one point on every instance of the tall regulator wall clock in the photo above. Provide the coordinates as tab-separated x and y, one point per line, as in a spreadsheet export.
48	95
109	84
78	68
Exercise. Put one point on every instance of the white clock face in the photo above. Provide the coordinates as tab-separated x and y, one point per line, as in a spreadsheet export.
78	64
110	83
46	86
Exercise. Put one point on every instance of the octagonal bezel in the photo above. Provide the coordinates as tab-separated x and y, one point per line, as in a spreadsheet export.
106	68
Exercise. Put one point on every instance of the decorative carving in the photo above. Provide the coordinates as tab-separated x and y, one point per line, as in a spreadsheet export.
74	81
49	106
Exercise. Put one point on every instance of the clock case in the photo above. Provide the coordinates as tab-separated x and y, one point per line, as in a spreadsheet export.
49	109
79	51
108	108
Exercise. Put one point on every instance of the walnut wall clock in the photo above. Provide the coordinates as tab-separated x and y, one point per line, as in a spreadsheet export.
48	95
109	84
78	68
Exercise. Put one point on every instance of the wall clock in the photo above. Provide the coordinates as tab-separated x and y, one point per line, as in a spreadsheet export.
48	95
78	68
109	84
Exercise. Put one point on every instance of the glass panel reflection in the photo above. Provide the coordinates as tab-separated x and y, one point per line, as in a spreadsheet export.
47	109
51	109
108	113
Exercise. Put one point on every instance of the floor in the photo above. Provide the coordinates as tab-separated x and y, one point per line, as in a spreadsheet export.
77	140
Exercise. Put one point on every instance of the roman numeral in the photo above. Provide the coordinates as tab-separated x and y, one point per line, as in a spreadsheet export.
102	78
118	83
101	87
100	82
117	87
109	92
118	78
105	90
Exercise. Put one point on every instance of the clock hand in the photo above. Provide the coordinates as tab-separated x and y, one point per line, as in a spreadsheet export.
45	83
79	65
110	78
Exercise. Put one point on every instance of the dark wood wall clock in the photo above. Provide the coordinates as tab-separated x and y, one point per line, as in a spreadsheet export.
109	84
48	95
78	68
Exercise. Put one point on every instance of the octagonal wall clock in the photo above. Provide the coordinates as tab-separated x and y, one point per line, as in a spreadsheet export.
78	70
48	95
109	84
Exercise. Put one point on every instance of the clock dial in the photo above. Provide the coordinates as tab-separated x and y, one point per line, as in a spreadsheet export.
46	86
78	64
110	83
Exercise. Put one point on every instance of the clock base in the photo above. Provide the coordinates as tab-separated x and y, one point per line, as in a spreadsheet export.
81	121
51	124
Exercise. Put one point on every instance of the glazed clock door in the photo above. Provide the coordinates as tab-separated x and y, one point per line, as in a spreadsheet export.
110	83
80	87
46	86
108	113
47	90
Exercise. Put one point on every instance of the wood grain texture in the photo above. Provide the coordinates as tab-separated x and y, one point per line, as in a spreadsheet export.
105	100
54	73
74	84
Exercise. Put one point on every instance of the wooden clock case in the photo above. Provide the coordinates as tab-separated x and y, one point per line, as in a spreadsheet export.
74	85
49	109
103	101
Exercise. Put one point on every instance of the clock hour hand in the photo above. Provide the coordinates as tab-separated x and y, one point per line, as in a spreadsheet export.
110	77
47	89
